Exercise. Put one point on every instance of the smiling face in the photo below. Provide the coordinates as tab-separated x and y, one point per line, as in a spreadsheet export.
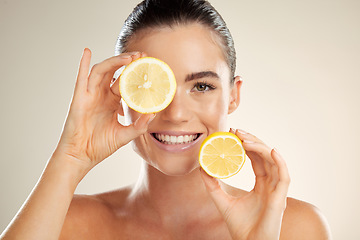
203	98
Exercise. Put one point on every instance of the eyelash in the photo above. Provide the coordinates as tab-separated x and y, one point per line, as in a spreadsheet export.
208	86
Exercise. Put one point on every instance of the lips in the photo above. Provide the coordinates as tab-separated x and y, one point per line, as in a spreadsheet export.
176	139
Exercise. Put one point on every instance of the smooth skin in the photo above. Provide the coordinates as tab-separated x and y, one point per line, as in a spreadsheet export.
173	198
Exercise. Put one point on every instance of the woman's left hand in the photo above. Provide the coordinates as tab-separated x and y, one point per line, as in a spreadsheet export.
257	214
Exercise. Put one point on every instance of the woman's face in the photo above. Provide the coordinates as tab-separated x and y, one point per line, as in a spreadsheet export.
203	99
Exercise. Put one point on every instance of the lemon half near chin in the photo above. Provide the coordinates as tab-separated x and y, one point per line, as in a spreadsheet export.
147	85
222	155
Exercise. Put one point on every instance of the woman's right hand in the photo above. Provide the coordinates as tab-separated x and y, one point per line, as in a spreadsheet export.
92	132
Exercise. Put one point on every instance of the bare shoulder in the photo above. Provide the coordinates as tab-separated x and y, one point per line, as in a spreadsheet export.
92	216
303	220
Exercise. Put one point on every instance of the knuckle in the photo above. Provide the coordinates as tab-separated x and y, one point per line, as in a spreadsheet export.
95	68
265	151
288	180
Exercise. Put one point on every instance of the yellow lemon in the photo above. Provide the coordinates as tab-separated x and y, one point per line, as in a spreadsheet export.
222	155
147	85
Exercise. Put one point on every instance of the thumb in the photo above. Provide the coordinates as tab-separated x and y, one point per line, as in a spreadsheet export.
129	133
221	199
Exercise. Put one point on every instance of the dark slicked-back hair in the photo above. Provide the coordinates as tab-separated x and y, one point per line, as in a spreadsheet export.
159	13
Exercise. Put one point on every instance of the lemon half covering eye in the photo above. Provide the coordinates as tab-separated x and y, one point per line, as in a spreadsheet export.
222	155
147	85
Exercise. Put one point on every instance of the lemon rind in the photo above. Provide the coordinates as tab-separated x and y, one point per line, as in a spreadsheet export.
224	135
168	98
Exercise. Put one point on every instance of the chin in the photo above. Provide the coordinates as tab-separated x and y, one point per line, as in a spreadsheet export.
178	171
174	168
169	164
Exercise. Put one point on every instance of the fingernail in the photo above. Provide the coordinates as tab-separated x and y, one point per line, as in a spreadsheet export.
151	118
247	141
133	53
125	56
241	131
141	122
86	50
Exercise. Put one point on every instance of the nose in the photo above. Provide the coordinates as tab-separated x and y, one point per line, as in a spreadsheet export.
178	110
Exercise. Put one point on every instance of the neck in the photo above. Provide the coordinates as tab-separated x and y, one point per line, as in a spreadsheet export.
172	196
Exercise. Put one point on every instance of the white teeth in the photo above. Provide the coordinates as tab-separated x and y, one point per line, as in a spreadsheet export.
180	139
170	139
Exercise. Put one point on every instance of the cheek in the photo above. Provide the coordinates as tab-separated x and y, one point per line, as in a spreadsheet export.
138	146
213	112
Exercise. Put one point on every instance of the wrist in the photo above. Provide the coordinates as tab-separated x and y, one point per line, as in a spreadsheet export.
67	168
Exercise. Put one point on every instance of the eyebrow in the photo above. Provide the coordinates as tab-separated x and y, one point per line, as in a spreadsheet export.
202	74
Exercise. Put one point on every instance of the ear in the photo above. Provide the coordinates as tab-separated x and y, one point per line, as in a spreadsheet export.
235	94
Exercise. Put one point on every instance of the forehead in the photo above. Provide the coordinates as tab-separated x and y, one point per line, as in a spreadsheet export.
186	48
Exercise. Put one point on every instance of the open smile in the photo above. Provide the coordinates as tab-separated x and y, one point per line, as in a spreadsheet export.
175	141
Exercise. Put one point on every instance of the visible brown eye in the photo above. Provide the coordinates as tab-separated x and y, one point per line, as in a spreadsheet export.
203	87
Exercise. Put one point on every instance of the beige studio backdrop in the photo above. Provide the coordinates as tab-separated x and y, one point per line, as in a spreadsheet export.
300	63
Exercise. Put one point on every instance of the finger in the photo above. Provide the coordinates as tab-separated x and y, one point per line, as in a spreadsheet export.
264	167
119	71
116	79
143	54
114	86
259	155
253	144
114	89
84	66
245	136
125	134
221	199
274	177
102	73
283	173
232	130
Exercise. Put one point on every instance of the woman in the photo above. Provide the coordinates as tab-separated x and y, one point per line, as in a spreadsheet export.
172	198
